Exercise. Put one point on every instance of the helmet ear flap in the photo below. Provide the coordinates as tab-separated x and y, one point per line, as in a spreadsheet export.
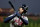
25	11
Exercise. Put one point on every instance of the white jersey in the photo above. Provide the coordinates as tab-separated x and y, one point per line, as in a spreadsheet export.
17	21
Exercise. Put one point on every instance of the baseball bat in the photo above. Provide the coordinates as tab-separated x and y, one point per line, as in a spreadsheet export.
11	5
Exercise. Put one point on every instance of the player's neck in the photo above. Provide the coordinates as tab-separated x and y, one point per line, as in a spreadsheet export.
20	12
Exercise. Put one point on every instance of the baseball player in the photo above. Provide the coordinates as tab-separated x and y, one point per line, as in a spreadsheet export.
18	19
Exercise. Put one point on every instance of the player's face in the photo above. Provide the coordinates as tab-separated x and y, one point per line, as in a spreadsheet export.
21	10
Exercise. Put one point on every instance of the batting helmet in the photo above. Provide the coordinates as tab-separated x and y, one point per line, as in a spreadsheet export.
25	8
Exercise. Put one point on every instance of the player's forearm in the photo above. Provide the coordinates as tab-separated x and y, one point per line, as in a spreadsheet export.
24	21
9	18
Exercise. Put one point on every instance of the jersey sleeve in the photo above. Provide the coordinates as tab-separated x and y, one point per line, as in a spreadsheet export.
9	18
25	20
11	21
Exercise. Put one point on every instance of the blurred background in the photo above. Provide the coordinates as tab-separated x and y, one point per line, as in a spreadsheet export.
33	12
34	20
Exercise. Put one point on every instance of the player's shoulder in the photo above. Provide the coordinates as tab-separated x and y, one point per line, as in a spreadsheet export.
25	17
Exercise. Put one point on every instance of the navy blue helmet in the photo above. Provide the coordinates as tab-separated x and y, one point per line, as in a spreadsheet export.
25	8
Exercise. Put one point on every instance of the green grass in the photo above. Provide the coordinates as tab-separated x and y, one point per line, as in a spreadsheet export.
32	23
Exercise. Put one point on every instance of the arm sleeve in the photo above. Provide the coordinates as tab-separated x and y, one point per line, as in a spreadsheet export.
25	20
9	18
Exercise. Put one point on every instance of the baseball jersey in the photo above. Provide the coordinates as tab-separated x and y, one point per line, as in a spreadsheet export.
17	21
